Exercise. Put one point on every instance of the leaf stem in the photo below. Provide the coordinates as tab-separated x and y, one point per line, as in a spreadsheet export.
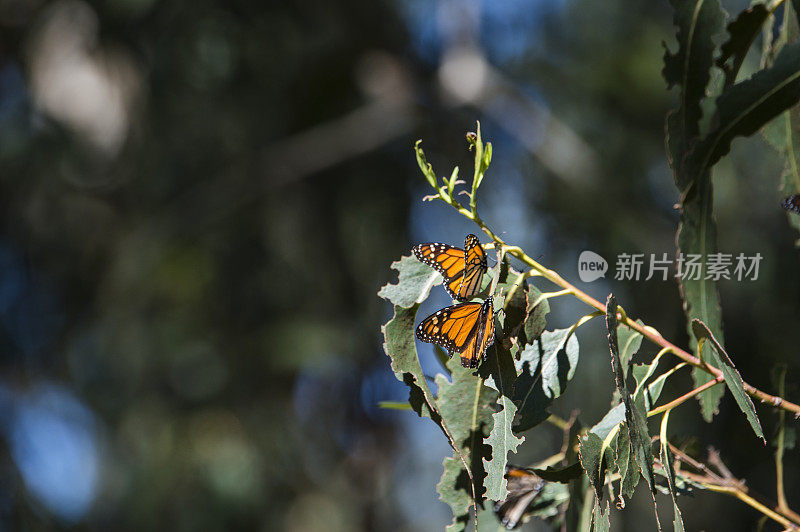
683	398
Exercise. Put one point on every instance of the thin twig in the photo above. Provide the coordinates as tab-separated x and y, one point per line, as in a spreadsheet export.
648	332
683	398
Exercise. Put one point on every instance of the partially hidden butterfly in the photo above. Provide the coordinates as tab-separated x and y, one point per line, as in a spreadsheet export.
523	487
462	269
792	203
466	328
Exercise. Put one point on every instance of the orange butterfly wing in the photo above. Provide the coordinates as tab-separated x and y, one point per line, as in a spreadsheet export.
467	328
474	268
462	270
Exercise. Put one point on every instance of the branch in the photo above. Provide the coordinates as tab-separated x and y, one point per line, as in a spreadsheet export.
648	332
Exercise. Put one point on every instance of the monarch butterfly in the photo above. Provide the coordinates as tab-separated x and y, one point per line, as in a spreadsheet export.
792	203
523	487
462	269
466	328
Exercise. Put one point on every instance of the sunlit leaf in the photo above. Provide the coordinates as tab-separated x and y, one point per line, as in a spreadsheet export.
501	439
394	405
413	285
545	367
613	417
464	405
630	341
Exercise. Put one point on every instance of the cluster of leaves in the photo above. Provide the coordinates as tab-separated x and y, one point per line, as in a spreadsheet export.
713	109
485	414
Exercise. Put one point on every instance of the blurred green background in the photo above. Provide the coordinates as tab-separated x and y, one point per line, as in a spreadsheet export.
200	200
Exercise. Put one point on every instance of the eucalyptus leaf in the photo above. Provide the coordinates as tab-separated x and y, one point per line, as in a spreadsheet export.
591	447
399	345
697	235
501	439
742	33
613	417
635	417
414	283
537	310
626	464
630	340
602	517
746	107
454	490
545	367
733	379
464	405
697	22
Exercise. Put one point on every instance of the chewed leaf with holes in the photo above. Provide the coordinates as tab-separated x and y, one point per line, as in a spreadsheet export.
413	285
464	404
499	368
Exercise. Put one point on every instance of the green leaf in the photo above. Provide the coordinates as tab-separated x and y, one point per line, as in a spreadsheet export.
464	405
697	235
545	367
516	307
635	418
427	169
697	22
399	345
651	392
454	490
537	310
746	107
394	405
590	454
601	521
630	340
414	283
613	417
732	377
501	439
743	32
666	464
626	465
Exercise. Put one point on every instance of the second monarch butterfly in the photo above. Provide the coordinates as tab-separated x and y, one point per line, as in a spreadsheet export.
792	203
524	487
462	269
466	328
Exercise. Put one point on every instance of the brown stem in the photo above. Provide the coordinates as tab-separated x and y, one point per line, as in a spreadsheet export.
684	397
648	332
